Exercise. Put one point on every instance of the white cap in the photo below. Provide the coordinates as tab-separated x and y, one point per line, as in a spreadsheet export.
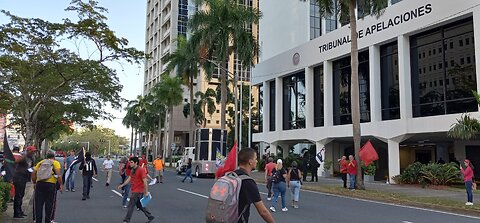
279	161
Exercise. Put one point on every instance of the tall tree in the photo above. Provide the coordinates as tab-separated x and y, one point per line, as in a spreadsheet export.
36	70
336	8
220	28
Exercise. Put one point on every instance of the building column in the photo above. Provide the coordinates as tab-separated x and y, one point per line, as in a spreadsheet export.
309	97
279	104
273	148
476	36
405	84
375	84
393	159
266	107
328	93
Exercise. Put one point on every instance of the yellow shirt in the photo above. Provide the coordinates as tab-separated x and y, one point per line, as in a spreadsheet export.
56	166
158	164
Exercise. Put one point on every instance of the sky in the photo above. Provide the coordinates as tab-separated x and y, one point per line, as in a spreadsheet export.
125	17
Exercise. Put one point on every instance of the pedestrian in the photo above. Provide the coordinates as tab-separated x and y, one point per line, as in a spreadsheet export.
295	177
21	176
89	170
249	194
343	169
314	168
122	165
268	176
138	178
279	186
108	169
144	163
45	184
188	172
441	161
305	164
468	179
70	182
159	165
127	185
352	171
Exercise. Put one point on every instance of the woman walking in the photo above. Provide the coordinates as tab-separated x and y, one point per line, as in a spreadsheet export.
295	176
279	175
188	173
468	179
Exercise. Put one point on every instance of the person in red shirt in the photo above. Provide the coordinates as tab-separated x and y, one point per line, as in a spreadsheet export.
138	179
352	171
468	179
143	162
343	169
268	176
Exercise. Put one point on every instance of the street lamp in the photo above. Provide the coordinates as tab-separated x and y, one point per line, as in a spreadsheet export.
88	145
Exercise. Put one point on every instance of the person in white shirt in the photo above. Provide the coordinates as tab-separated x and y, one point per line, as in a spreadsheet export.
108	167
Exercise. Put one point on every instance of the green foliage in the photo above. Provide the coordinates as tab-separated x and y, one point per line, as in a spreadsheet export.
440	174
412	174
370	169
327	164
4	195
465	128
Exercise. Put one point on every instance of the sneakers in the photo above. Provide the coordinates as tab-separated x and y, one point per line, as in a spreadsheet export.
72	190
469	203
150	219
84	198
269	198
124	206
284	209
67	190
272	209
295	206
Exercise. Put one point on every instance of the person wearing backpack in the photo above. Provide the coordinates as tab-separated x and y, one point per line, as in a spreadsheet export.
279	176
45	176
20	178
268	176
295	177
89	170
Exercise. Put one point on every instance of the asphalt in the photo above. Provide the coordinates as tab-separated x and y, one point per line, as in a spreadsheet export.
407	190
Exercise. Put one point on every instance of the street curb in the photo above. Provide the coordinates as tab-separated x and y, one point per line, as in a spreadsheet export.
7	216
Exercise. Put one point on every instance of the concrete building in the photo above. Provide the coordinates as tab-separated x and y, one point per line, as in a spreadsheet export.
417	68
166	20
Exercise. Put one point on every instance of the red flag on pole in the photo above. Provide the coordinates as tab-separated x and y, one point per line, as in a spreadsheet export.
230	164
368	154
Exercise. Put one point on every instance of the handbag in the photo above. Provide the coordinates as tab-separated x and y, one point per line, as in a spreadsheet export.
474	186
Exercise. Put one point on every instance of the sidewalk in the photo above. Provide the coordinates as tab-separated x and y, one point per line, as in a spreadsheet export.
7	216
407	190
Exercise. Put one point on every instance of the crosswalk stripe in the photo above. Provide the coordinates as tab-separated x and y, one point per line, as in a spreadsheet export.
186	191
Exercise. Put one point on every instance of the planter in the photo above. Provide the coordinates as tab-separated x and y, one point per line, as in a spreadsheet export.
368	178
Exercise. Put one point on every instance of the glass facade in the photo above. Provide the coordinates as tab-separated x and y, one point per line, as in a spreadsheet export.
182	17
294	101
315	20
272	105
395	1
389	81
260	108
342	89
318	118
443	70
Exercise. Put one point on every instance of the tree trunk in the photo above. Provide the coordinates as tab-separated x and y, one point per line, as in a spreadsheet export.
355	101
135	143
131	141
223	99
170	133
192	115
165	137
147	149
159	137
235	94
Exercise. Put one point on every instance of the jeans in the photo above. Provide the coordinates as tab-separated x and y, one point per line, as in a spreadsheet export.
70	184
44	196
87	184
188	173
295	189
468	187
352	181
126	191
279	189
18	199
135	201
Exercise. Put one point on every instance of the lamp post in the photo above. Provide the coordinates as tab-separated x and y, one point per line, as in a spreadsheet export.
88	145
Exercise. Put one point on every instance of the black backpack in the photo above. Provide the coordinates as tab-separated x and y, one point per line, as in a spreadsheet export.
276	176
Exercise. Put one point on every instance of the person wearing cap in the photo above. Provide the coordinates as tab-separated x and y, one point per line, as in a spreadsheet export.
468	179
21	177
279	179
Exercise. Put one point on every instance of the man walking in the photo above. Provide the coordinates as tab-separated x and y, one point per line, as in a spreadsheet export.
70	182
21	177
45	176
89	170
138	178
107	168
268	176
158	164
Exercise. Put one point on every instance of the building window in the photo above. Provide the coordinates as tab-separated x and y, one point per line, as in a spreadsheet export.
294	101
454	96
342	90
182	17
239	69
395	1
272	106
318	96
315	20
389	84
260	108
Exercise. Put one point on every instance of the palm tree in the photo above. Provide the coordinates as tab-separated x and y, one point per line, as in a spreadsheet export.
132	120
220	28
329	8
186	60
206	100
466	127
169	91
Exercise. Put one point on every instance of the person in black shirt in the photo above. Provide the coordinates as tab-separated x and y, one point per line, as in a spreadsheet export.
295	177
279	175
188	172
247	161
21	177
89	170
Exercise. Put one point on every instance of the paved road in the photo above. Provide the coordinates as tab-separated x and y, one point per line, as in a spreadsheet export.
174	201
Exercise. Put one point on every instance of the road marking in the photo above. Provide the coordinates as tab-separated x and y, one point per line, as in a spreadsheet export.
407	222
117	193
190	192
95	179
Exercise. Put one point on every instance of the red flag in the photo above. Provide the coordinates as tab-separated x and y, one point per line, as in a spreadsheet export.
230	164
368	154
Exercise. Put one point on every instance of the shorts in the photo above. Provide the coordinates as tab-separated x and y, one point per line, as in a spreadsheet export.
158	173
